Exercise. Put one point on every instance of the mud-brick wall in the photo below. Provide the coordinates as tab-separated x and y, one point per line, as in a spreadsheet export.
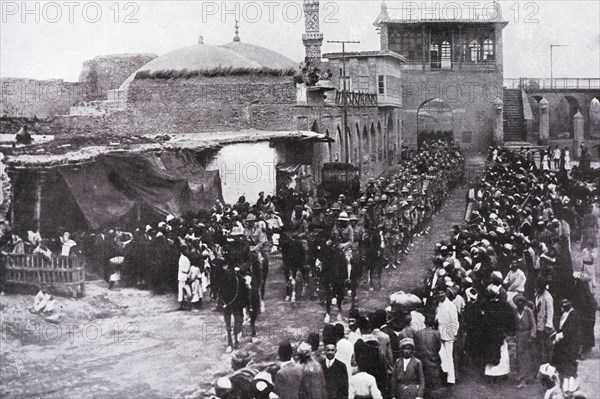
211	104
22	97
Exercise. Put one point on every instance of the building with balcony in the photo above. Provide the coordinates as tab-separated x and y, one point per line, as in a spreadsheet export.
452	73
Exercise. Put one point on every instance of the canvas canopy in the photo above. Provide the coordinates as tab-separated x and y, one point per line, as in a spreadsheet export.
99	201
169	182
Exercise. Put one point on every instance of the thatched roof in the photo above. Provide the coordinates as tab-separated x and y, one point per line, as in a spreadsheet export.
205	60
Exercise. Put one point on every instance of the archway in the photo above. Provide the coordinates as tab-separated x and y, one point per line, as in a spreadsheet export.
380	142
357	146
365	145
391	144
373	143
434	121
534	103
561	123
595	118
338	146
329	146
348	145
315	127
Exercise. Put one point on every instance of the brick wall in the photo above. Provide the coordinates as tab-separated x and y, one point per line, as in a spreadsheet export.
211	104
22	97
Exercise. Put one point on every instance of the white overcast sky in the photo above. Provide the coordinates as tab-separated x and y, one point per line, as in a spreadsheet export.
45	49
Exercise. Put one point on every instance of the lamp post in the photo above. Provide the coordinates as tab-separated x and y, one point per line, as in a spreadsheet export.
551	61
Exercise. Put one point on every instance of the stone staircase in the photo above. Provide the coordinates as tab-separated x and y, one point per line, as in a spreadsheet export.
514	119
518	145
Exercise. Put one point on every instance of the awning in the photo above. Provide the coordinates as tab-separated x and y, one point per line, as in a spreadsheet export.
171	182
99	201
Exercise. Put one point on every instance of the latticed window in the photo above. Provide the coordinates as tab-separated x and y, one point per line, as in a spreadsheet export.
474	51
446	55
381	84
488	50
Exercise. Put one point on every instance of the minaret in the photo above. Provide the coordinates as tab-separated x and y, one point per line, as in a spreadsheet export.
236	38
312	38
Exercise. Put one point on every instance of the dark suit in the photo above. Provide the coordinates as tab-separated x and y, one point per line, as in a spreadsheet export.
428	343
409	383
287	381
564	356
336	379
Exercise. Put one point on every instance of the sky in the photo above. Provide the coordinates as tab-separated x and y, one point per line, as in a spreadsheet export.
52	39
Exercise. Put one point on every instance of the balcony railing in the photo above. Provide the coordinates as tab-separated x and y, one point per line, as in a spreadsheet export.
553	84
356	99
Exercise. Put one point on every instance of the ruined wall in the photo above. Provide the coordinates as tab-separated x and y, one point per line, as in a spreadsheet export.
211	104
22	97
108	72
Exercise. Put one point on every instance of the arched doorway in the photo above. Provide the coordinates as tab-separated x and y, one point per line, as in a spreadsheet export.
595	118
348	145
434	121
391	143
561	123
365	145
373	143
534	103
315	127
380	142
357	147
329	146
338	146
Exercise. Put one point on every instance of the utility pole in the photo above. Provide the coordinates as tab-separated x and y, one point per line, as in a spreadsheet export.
344	90
551	61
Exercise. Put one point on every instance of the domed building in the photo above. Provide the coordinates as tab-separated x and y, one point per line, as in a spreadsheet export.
208	88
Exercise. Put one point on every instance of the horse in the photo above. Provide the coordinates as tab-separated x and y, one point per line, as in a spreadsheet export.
233	297
292	254
331	277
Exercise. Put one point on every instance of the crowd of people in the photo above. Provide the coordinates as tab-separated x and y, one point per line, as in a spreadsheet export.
505	280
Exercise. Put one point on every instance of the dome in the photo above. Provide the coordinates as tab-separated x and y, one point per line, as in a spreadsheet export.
204	58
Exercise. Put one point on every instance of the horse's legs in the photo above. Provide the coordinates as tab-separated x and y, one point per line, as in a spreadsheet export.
238	321
265	273
227	316
254	298
378	267
328	296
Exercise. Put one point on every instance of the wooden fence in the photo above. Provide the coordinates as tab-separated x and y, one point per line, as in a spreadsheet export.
59	273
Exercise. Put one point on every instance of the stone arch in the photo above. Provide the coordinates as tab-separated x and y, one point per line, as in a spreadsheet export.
329	147
315	127
357	146
435	121
338	145
365	144
349	140
534	103
373	153
594	118
561	121
380	142
392	150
